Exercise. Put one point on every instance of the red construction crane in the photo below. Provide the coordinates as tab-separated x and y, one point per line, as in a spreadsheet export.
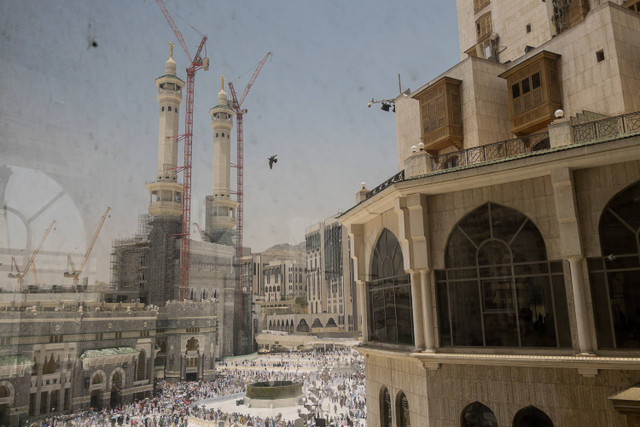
196	63
237	106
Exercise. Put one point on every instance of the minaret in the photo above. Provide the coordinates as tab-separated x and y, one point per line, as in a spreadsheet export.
165	193
220	209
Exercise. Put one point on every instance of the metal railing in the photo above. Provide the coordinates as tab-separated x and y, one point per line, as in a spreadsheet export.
489	152
607	128
395	178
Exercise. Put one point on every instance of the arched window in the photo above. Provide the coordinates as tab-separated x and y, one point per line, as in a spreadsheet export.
390	311
531	417
141	367
385	408
478	415
614	276
402	410
192	344
50	366
498	288
4	392
96	379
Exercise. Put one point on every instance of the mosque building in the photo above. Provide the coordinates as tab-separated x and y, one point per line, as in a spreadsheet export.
497	269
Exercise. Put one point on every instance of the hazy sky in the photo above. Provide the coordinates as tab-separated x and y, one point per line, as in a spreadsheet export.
84	119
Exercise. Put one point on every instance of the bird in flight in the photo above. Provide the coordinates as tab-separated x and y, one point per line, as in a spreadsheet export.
272	160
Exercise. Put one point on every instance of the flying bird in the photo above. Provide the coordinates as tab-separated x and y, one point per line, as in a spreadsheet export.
272	160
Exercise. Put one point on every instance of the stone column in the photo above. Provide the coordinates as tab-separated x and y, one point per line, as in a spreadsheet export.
417	308
571	250
582	317
427	310
362	308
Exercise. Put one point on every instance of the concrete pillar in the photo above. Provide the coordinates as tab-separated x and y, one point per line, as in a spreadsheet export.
427	310
571	249
417	308
362	308
582	317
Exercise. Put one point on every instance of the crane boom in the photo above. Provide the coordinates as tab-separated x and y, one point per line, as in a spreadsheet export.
174	27
76	273
20	274
236	105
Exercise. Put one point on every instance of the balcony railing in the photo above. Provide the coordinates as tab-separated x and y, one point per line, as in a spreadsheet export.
395	178
611	127
489	152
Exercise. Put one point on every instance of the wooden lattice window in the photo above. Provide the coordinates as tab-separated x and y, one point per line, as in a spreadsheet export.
441	114
478	5
534	92
483	27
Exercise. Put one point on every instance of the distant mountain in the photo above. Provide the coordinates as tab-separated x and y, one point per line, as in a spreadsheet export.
286	251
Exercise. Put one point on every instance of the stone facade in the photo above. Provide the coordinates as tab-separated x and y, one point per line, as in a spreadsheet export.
444	251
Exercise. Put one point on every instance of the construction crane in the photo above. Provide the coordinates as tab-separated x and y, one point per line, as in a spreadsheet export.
19	274
197	62
237	107
71	270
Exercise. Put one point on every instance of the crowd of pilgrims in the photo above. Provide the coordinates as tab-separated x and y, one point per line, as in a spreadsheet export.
333	379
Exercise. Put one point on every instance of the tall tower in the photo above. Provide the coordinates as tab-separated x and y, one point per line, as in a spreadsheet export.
220	209
165	203
165	193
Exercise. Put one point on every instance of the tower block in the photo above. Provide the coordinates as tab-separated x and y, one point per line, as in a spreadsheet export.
165	193
220	209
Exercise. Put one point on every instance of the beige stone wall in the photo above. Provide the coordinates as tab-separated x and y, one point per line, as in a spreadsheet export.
594	189
407	127
532	197
609	87
509	21
397	374
566	396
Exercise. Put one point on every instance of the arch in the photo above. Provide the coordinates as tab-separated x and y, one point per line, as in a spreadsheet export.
402	410
498	288
385	407
531	417
98	380
141	366
7	391
331	323
478	415
302	326
118	378
614	275
317	323
390	313
50	366
192	344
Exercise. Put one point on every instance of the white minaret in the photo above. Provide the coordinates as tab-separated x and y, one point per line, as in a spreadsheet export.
220	209
165	193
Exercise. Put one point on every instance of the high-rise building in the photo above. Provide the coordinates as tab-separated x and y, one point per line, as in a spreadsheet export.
497	269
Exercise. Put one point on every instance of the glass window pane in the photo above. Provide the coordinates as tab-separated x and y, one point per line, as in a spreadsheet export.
378	322
494	252
535	80
505	222
460	251
465	313
500	329
443	314
627	206
476	225
528	245
497	295
561	310
535	312
525	85
403	310
515	90
615	237
601	311
625	307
